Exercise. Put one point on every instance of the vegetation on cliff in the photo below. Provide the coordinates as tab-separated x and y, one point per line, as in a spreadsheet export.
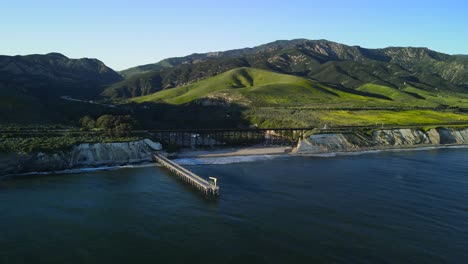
50	142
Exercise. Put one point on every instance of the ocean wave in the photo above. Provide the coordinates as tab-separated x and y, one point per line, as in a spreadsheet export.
234	159
225	160
373	151
88	169
317	155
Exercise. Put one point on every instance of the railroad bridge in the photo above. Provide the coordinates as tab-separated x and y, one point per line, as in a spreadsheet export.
230	137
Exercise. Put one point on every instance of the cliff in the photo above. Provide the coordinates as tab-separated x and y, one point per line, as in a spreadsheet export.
83	155
381	139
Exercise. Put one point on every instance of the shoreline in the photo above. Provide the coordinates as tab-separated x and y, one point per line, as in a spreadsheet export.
82	170
387	149
231	152
231	156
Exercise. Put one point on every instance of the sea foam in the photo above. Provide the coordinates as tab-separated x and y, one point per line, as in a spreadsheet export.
225	160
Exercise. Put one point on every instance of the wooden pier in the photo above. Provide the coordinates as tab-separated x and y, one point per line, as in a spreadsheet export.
204	186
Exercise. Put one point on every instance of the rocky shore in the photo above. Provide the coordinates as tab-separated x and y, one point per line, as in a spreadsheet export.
117	154
83	155
381	139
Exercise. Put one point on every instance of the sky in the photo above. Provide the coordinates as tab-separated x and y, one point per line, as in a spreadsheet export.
124	34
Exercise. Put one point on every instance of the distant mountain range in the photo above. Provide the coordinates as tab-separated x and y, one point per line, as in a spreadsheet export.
294	73
319	60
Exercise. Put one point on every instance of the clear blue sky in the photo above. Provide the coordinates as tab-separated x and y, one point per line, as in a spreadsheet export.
129	33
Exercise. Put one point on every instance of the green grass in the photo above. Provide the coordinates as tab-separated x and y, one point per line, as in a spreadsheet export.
391	117
398	96
250	86
443	98
260	88
278	100
286	117
237	83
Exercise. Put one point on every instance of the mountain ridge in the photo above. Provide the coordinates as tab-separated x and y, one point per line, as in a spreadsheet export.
321	60
54	73
31	86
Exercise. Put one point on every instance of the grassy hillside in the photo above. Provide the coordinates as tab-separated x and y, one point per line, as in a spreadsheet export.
397	95
249	86
303	117
255	87
169	77
243	85
443	98
320	60
270	99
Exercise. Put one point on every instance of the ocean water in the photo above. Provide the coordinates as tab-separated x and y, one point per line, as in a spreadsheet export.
384	207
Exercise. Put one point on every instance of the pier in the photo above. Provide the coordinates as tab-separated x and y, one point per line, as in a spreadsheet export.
204	186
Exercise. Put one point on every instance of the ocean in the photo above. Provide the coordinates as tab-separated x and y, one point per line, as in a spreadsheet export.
378	207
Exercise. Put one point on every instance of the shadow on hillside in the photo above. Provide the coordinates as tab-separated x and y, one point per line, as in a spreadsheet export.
356	92
196	115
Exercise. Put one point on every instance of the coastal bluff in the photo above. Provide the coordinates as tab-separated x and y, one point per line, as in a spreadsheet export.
80	156
381	139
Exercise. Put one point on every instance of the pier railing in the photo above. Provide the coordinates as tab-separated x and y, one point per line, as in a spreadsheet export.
204	186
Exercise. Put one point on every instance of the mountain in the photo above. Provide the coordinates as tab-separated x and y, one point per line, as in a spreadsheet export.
302	82
54	74
251	87
31	86
201	57
320	60
150	82
250	96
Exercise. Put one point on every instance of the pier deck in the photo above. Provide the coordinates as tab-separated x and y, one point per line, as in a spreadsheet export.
201	184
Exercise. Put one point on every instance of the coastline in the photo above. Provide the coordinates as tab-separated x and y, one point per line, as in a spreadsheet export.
232	155
82	170
230	152
385	149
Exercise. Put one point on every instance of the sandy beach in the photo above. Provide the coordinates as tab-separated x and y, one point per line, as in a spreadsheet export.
229	152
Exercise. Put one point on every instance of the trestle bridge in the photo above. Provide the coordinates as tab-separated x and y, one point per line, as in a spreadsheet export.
230	137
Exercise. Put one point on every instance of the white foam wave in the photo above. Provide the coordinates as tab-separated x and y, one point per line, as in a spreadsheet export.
318	155
225	160
235	159
361	152
88	169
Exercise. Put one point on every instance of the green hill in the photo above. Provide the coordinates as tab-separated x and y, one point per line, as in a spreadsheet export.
250	86
320	60
443	98
244	85
397	95
270	99
256	88
301	82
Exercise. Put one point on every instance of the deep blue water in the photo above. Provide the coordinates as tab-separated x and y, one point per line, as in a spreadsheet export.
389	207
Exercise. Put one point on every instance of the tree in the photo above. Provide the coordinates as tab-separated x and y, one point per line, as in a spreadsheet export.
87	122
116	125
105	122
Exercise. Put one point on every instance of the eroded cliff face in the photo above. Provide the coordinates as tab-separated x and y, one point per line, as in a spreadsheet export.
381	139
83	155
